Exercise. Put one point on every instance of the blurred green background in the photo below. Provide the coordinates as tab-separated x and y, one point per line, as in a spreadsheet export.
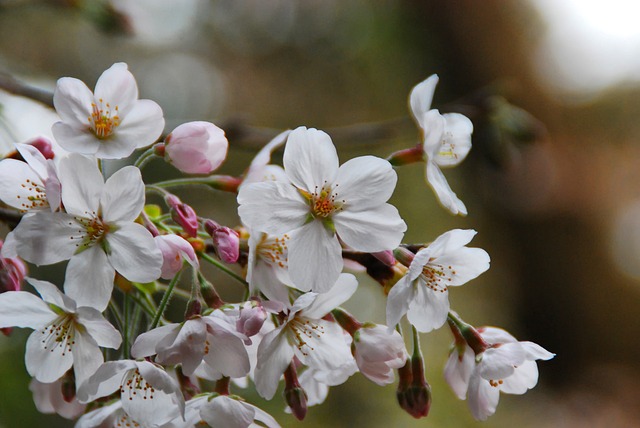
556	206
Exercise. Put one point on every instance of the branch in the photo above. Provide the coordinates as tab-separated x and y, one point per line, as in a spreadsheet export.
16	87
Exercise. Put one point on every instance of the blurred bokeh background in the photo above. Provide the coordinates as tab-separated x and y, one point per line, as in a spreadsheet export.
552	184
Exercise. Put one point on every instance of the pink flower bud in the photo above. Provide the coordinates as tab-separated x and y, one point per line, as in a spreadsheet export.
174	250
252	316
294	394
44	146
196	147
225	240
385	257
12	273
183	214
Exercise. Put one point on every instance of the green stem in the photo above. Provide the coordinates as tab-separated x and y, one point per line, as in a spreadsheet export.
165	300
125	326
177	292
223	268
144	305
417	352
115	312
145	157
219	182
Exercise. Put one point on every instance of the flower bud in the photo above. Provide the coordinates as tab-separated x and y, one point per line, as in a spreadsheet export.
196	147
252	316
183	214
225	240
294	395
414	393
44	146
12	273
174	250
378	352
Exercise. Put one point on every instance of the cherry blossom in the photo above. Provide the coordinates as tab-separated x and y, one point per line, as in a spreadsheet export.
97	233
322	202
446	141
65	335
422	293
175	249
49	399
267	267
147	393
378	352
317	343
196	147
109	124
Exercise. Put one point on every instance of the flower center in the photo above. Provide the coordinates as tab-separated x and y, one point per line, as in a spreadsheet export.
274	250
94	231
59	334
134	386
38	197
304	328
437	276
324	203
102	121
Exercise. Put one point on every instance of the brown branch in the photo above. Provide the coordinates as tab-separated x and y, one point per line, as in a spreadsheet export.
10	217
16	87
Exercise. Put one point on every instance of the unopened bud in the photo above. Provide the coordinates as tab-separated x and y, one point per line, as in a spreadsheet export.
226	241
294	395
44	146
12	273
196	147
407	156
414	393
183	214
68	387
252	317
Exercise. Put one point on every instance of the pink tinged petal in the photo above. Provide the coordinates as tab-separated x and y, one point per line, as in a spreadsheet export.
466	264
142	125
175	250
482	398
22	187
44	238
105	381
46	359
324	303
337	376
48	399
225	412
134	253
498	363
102	415
72	100
99	328
82	185
536	352
51	294
398	300
89	278
365	182
523	379
456	140
161	381
196	147
34	159
22	309
272	207
117	86
315	258
274	355
428	310
457	371
187	347
376	229
446	196
87	357
52	187
310	159
75	140
123	195
434	126
316	391
494	335
421	97
145	344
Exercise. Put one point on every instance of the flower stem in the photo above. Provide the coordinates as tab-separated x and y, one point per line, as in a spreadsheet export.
126	325
145	157
223	268
225	183
165	300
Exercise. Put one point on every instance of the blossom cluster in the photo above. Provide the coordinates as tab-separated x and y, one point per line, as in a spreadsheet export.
102	351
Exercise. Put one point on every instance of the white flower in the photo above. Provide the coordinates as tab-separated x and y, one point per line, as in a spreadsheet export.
207	338
507	365
317	343
446	141
321	203
422	293
31	185
97	233
223	412
175	249
110	416
378	352
110	124
64	335
148	394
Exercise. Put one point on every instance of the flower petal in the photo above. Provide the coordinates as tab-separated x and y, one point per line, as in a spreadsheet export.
375	229
72	100
145	344
365	182
117	86
482	398
274	355
21	186
398	300
225	412
123	195
105	381
466	263
75	139
324	303
446	196
87	357
134	253
82	185
523	379
499	363
46	359
315	258
99	328
457	371
227	354
22	309
51	294
310	159
142	125
421	97
434	126
456	140
428	310
272	207
89	278
325	348
44	237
